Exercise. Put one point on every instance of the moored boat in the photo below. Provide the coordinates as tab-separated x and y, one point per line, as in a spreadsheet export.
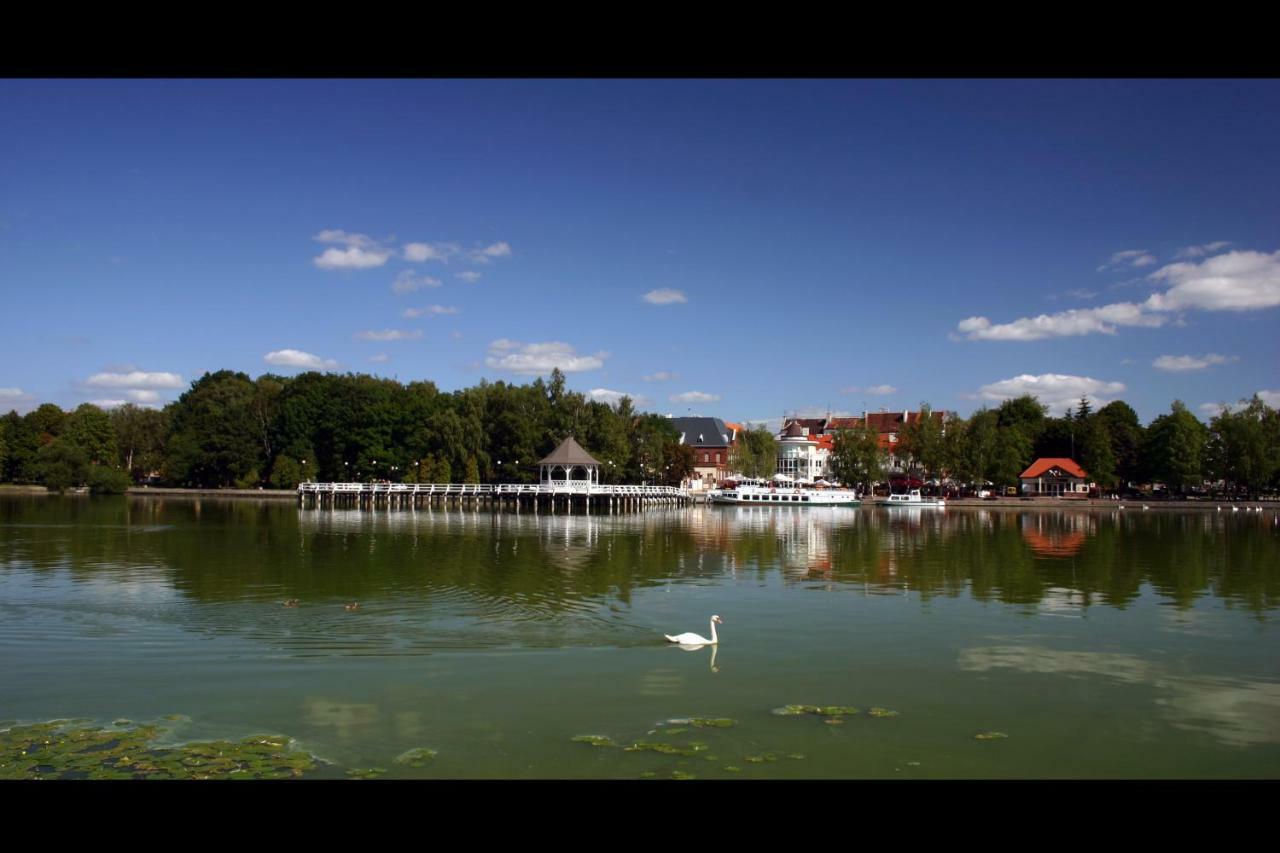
751	495
913	498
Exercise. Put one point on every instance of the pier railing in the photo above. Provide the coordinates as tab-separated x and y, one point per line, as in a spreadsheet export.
492	490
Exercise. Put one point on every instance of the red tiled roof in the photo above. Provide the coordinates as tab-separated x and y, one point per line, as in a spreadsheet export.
1041	465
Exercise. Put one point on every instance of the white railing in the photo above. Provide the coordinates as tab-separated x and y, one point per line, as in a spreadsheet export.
500	489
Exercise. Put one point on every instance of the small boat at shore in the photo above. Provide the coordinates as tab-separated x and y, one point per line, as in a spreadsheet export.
913	498
751	495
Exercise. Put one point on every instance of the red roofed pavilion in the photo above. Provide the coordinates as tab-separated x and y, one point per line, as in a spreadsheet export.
1054	476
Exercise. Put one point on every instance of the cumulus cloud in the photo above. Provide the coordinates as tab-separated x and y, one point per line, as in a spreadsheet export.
660	376
486	255
1055	390
16	399
470	276
604	395
430	311
389	335
109	404
143	395
870	389
694	397
421	252
407	282
1234	281
1271	398
665	296
134	379
1129	258
362	251
540	358
1190	362
297	358
1202	250
11	394
1214	408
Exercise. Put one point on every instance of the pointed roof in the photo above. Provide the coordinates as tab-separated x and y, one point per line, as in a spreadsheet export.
568	453
1043	464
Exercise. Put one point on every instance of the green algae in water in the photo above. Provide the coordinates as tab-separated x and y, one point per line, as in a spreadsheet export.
675	730
732	769
58	750
419	757
882	712
713	722
681	775
593	740
817	710
648	774
754	759
798	756
366	772
660	748
990	736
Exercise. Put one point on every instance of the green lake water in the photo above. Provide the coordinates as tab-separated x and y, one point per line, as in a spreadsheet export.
1101	644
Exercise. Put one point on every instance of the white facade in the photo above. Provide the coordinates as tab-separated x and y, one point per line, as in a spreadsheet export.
802	458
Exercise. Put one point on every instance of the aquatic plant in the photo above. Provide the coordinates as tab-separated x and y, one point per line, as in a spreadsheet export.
64	749
819	710
660	748
419	757
882	712
990	736
681	775
366	772
593	740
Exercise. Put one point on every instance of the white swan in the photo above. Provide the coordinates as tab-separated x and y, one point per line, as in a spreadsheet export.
692	639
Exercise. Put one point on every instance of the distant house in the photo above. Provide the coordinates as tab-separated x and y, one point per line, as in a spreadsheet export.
888	425
710	439
1054	476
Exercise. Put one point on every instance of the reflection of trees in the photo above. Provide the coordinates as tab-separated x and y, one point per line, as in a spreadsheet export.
534	565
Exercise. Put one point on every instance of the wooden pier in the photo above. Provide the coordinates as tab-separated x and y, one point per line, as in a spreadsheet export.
539	496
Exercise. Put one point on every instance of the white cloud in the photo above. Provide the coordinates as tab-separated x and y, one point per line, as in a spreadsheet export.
297	358
1129	258
1077	321
1200	251
470	276
407	282
1271	398
108	404
11	394
486	255
1055	390
389	335
17	400
143	395
380	358
870	389
1214	408
351	259
420	252
457	336
660	376
540	358
1191	362
665	296
604	395
430	311
362	251
135	379
1234	281
694	397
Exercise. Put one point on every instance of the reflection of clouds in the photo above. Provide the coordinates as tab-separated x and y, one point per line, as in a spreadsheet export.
344	718
135	589
1238	712
1040	660
1057	601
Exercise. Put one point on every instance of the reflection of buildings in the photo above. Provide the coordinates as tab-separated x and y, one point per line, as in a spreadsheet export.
1057	535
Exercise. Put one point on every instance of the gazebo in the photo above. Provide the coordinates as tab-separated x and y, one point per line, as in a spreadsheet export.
575	465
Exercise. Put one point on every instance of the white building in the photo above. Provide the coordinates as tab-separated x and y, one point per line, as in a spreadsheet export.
802	456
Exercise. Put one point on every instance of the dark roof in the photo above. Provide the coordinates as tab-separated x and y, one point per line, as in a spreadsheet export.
568	453
703	432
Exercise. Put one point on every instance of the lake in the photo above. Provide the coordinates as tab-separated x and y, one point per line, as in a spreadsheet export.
990	643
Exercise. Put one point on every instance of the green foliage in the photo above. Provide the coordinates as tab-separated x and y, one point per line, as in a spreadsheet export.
107	480
140	437
1243	447
473	471
91	429
214	440
755	454
61	465
1175	448
46	421
922	440
857	458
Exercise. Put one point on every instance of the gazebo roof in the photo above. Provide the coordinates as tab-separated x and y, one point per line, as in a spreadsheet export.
568	453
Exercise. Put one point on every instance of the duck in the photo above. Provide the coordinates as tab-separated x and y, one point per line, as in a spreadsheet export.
292	602
691	639
354	605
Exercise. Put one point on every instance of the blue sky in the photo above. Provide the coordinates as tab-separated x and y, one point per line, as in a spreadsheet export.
730	248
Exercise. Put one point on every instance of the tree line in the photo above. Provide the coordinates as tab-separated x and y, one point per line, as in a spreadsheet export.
229	430
1239	448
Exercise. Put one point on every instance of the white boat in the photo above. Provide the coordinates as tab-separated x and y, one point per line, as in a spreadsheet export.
914	499
752	495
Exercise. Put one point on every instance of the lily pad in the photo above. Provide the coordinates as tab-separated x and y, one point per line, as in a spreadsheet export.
419	757
593	740
713	722
882	712
680	774
732	769
366	772
990	736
